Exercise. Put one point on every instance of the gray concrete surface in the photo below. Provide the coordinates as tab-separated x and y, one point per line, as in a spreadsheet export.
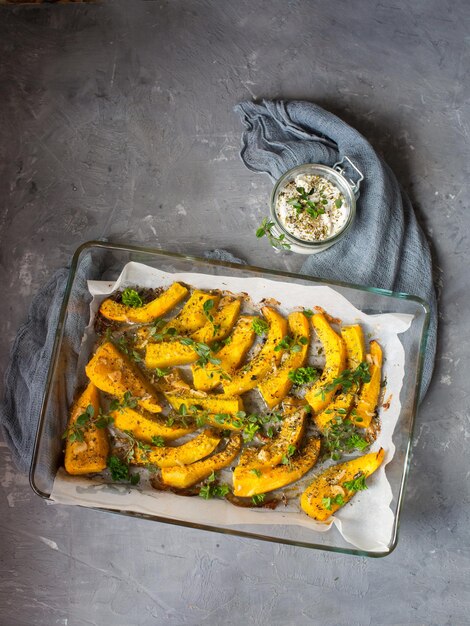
116	120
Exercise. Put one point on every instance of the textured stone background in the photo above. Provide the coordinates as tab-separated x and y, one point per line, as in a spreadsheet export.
116	120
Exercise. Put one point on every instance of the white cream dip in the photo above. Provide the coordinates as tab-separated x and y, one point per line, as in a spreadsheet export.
312	208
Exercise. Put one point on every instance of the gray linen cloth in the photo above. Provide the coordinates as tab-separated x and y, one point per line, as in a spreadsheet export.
25	377
385	247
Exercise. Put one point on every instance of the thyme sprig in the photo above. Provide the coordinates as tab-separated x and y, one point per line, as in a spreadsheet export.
265	229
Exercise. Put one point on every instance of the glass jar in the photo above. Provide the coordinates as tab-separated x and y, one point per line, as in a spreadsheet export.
334	175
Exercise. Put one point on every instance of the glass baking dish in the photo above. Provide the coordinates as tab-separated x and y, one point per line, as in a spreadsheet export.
103	261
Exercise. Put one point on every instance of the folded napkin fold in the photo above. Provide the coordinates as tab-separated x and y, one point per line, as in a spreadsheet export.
385	248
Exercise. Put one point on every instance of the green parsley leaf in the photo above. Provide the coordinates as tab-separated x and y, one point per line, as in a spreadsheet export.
119	470
358	483
348	379
328	502
158	441
260	326
258	499
131	298
162	372
303	375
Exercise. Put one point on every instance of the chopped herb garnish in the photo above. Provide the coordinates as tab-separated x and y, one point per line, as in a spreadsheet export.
291	344
342	437
348	379
202	350
76	430
258	499
303	202
286	459
120	471
260	326
213	490
358	483
303	375
131	298
162	372
256	472
158	441
328	502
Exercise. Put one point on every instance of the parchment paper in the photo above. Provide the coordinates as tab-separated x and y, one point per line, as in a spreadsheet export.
366	522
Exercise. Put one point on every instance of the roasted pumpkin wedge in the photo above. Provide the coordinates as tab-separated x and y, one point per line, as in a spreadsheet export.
112	372
335	354
89	455
355	355
192	316
337	410
212	404
171	353
275	386
369	394
249	376
188	475
337	485
149	312
288	438
248	481
145	427
231	356
172	382
198	448
222	322
353	338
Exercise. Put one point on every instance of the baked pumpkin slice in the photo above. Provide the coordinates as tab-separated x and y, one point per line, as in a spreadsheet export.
220	322
193	315
91	452
217	410
369	394
335	355
337	485
341	405
145	427
279	448
189	452
147	313
249	481
171	353
275	386
353	338
231	356
249	376
172	382
111	371
186	476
